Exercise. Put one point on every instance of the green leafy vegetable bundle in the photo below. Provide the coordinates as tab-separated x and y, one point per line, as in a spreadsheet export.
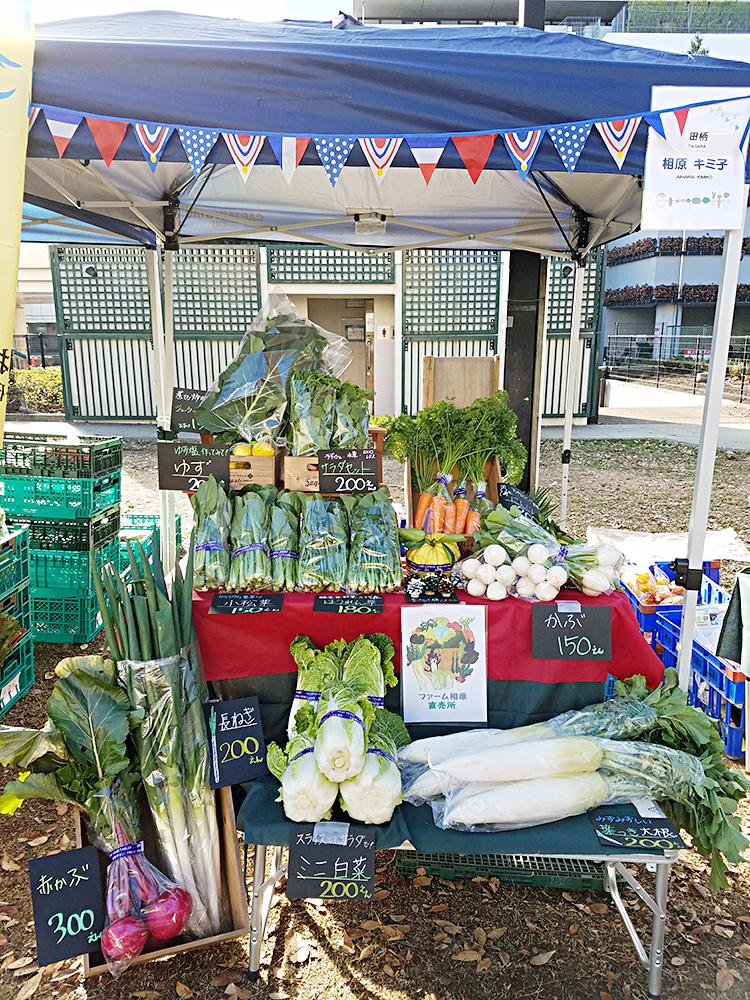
283	541
213	514
323	544
250	567
312	411
352	424
375	555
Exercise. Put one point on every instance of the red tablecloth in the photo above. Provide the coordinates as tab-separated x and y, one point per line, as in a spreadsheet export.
258	645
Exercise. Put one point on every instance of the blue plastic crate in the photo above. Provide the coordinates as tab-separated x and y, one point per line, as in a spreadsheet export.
711	568
732	737
734	691
710	593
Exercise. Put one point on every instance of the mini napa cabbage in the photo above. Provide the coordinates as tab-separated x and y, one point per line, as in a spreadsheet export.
307	795
373	794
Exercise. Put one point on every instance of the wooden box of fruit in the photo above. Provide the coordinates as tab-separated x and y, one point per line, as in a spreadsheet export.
258	464
233	890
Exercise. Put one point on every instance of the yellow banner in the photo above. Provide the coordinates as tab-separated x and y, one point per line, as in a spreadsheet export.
16	59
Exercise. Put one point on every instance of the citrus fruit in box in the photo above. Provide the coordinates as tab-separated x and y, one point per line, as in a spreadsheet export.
263	448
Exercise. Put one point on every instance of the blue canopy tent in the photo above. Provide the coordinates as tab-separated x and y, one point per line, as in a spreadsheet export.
186	129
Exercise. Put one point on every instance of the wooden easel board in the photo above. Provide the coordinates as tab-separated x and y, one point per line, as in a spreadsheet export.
460	380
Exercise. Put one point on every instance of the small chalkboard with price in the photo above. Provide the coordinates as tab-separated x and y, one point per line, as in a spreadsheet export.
245	604
184	404
349	604
68	904
562	634
350	470
237	749
184	466
510	496
335	867
623	826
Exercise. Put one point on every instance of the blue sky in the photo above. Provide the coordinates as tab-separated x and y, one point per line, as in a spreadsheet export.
248	10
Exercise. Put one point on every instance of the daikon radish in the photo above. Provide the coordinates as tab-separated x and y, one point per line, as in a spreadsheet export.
560	757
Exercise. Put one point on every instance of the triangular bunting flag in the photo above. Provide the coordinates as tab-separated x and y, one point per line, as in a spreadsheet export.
427	150
380	154
152	139
522	147
62	126
33	115
244	149
474	150
289	150
673	125
197	143
107	135
333	154
569	141
654	121
681	116
618	136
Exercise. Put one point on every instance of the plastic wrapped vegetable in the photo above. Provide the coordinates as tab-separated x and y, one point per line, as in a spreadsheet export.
250	567
312	411
283	541
340	729
212	519
435	553
374	793
307	795
323	544
352	424
375	555
317	669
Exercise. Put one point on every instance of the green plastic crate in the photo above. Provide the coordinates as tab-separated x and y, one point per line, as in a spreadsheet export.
63	498
17	677
146	529
522	869
65	619
18	606
52	456
14	561
71	536
58	573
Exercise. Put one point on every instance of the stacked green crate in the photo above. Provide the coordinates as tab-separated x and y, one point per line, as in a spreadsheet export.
17	668
68	496
143	529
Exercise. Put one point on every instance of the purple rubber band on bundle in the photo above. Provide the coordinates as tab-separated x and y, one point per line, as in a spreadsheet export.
209	547
126	851
382	753
283	554
377	702
460	491
302	753
442	478
428	569
307	695
562	554
480	494
342	714
253	547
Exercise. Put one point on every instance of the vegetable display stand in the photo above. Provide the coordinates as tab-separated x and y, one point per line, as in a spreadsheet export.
233	889
17	677
14	561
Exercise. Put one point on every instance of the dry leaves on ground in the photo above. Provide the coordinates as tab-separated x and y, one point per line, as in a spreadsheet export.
542	958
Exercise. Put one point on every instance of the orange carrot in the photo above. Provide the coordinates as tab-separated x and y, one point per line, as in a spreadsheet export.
423	507
437	512
449	517
462	510
473	522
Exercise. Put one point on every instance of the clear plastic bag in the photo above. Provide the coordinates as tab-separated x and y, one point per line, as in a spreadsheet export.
250	567
352	428
312	411
213	514
323	544
283	541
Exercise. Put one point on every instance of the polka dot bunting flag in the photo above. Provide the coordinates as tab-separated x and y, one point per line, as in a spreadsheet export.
197	143
569	141
333	154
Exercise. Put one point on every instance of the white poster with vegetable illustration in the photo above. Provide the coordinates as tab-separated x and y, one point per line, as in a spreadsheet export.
444	664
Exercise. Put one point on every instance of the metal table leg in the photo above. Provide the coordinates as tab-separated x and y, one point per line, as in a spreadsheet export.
257	922
658	931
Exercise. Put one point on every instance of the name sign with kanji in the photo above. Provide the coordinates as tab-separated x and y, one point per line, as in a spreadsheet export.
184	404
237	749
350	470
623	826
584	634
349	604
68	903
245	604
331	871
184	466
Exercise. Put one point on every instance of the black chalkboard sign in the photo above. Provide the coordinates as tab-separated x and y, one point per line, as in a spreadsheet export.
348	470
184	466
245	604
349	604
184	404
237	749
510	496
68	903
623	826
584	634
331	870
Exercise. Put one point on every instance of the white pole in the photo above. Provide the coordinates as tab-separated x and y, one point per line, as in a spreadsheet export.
398	342
572	381
168	531
704	473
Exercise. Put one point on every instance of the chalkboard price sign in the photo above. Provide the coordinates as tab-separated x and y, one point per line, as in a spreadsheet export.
184	466
235	741
624	827
348	471
511	496
583	634
184	404
331	870
68	904
349	604
245	604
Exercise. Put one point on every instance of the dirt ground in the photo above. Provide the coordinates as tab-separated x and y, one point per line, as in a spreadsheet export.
422	938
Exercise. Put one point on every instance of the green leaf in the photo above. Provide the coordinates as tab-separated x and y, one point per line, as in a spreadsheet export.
34	786
22	747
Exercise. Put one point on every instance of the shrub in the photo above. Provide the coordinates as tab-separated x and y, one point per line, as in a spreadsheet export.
41	388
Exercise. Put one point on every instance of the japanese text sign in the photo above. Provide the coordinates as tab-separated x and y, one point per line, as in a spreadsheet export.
349	604
331	871
184	404
245	604
585	634
695	173
623	826
184	466
348	471
237	749
68	904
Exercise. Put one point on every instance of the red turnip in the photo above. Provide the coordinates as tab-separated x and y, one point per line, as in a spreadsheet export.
167	915
124	939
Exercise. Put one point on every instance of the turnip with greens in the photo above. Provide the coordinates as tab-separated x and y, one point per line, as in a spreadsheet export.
495	555
486	574
476	588
469	568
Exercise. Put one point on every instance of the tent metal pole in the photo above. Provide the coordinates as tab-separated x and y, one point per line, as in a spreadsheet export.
169	536
398	331
709	436
572	382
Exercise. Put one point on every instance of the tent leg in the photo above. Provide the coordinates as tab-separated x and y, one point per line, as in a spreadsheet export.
572	381
709	436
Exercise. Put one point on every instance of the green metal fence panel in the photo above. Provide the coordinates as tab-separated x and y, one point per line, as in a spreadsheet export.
451	292
216	290
302	263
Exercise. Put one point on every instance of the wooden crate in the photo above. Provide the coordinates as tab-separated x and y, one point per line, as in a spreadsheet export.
233	885
301	473
258	470
492	476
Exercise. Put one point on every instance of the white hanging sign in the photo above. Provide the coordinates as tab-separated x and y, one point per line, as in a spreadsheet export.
695	173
